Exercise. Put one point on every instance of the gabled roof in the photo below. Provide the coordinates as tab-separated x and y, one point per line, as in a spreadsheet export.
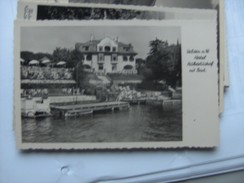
121	45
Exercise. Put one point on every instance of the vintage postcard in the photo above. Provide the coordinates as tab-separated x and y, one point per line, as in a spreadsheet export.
223	43
29	10
131	2
32	10
117	2
116	84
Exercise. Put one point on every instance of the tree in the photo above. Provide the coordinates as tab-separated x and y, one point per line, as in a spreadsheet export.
157	46
178	70
157	60
75	61
164	61
61	54
39	56
75	57
79	74
140	65
27	56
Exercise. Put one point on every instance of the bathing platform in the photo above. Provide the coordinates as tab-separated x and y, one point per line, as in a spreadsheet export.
62	110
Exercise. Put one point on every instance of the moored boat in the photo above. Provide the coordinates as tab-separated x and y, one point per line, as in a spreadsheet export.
36	114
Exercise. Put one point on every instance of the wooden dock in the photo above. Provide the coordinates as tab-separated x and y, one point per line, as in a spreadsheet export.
137	101
101	106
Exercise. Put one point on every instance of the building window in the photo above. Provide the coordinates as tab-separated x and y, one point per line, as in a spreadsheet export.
131	58
89	57
125	58
87	66
100	48
100	67
114	57
114	67
126	48
114	49
100	57
86	48
107	48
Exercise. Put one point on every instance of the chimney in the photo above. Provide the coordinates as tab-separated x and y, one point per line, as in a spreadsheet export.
91	37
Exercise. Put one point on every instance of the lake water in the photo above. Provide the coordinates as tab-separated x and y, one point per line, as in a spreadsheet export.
138	124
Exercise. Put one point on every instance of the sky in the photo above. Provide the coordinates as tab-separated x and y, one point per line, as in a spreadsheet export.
45	39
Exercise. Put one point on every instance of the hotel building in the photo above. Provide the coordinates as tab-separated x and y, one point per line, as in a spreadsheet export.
108	56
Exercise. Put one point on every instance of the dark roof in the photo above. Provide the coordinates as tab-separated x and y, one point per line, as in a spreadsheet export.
120	45
95	42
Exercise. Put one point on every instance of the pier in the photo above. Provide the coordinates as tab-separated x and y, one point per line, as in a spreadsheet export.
92	107
136	101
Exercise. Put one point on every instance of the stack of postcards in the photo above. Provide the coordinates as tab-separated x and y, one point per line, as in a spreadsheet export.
119	74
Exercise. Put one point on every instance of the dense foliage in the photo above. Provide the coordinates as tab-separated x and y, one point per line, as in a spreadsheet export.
163	63
82	13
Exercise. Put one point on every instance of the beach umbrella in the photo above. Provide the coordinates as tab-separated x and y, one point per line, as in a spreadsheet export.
34	62
61	63
47	61
44	58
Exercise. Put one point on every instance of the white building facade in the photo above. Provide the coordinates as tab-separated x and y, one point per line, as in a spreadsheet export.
108	56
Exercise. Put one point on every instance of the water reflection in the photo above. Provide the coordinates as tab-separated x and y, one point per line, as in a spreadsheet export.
140	123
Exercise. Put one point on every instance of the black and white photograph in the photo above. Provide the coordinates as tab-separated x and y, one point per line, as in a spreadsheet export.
84	11
52	12
126	2
95	84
